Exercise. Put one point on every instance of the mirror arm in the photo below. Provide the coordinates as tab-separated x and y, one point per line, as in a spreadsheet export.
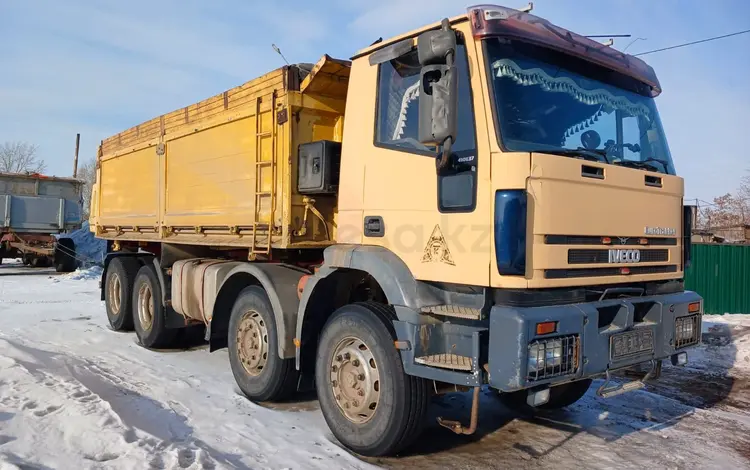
445	157
448	143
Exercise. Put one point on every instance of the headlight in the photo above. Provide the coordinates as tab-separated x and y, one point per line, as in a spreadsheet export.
553	357
544	355
686	331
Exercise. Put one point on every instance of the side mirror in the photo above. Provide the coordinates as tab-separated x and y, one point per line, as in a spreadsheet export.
438	91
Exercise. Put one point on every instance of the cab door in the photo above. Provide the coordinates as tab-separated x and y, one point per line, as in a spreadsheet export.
438	223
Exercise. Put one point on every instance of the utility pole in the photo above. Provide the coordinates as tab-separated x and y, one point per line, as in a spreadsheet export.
75	159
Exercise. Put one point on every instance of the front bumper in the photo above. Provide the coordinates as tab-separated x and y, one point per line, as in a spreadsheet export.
586	330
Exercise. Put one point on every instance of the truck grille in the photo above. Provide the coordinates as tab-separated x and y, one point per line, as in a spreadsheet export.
578	256
597	240
614	271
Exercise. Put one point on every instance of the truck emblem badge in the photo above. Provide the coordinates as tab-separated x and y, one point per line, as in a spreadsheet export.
437	249
624	256
623	240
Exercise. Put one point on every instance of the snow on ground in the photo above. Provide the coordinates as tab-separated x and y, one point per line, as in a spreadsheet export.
76	395
89	249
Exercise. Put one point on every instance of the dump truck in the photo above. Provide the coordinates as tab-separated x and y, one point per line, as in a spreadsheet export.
35	210
489	200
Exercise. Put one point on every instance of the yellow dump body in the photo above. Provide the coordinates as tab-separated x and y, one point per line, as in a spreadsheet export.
222	172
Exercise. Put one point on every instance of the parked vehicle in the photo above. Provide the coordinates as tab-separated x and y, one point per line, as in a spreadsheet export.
35	209
486	200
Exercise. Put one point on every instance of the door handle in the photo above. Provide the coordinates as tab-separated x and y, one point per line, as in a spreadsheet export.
374	226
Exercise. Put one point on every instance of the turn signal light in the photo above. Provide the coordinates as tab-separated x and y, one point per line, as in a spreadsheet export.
643	241
694	307
546	328
606	240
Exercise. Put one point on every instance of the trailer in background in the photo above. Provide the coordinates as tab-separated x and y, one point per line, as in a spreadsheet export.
34	210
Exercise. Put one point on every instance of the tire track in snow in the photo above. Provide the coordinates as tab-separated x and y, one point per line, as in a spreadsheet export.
142	422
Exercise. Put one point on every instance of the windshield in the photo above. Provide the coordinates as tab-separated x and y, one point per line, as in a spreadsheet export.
549	102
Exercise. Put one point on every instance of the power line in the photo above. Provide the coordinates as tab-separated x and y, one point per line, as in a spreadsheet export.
694	42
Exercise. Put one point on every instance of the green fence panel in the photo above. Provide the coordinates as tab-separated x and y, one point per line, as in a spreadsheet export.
721	275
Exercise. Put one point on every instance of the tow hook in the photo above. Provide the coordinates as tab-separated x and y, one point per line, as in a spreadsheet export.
459	428
607	392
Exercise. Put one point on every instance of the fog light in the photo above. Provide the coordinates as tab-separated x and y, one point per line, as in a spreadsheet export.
538	398
679	359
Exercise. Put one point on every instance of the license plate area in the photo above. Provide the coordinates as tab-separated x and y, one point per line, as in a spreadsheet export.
631	343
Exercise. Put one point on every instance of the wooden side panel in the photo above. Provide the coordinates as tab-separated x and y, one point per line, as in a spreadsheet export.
129	191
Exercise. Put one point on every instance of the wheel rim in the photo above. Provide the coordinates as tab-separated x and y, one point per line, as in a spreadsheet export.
252	342
355	380
145	307
115	299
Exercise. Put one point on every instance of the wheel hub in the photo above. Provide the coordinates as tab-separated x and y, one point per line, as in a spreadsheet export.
355	380
145	307
114	293
252	342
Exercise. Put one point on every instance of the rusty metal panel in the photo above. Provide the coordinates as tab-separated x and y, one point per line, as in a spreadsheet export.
721	275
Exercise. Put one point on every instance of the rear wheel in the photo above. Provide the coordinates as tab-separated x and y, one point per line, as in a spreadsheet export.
560	396
118	292
148	312
369	403
65	259
253	349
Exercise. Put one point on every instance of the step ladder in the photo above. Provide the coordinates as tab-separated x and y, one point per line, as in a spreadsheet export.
263	162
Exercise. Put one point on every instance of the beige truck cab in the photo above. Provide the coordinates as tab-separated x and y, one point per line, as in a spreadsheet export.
487	201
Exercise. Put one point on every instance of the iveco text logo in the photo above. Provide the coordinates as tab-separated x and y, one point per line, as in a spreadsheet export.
624	256
660	231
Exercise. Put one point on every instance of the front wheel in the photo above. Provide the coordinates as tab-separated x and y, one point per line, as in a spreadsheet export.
369	403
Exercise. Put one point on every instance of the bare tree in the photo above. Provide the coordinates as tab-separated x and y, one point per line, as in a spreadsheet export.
87	173
20	157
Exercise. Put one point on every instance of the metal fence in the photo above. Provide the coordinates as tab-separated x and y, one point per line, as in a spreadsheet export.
721	275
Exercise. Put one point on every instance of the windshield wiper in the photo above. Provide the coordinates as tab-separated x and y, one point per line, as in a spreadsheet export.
596	155
644	164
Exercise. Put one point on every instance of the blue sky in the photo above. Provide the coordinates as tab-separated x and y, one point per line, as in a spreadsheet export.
100	66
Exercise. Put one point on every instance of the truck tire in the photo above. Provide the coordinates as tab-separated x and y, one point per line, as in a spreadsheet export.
118	292
253	349
560	396
149	316
65	259
369	403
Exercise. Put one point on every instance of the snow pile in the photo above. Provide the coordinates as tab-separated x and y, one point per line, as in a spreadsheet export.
85	274
89	249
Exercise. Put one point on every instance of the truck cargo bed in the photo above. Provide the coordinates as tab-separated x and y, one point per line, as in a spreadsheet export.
222	172
39	204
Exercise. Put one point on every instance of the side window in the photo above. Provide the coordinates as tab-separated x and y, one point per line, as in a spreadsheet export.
397	124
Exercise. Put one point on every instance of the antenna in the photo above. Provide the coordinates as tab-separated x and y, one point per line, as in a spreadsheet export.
527	8
278	51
